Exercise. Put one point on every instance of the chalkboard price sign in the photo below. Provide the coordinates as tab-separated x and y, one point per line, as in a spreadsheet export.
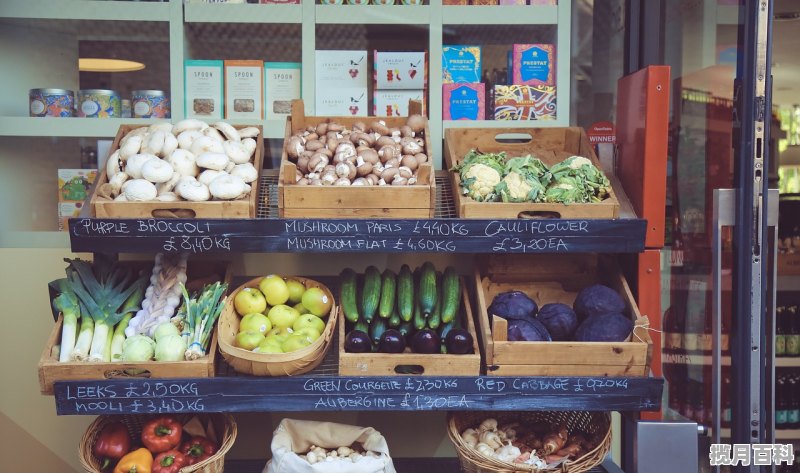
324	236
243	394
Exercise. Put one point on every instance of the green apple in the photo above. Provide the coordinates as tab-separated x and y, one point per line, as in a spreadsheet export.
296	342
275	290
270	346
280	331
296	290
283	316
255	322
299	307
249	340
249	300
317	302
309	320
310	332
276	339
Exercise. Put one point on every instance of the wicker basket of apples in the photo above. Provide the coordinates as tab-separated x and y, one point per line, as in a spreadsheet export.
277	326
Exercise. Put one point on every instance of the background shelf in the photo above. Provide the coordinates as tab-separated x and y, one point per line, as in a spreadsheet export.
86	10
499	15
373	14
242	13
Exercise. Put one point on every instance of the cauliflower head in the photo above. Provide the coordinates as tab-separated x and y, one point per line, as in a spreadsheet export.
479	180
517	188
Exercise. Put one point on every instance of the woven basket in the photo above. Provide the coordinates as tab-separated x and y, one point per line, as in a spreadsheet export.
588	422
224	426
272	364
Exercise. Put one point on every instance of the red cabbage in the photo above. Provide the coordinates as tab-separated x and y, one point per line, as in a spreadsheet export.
559	319
597	300
530	330
513	305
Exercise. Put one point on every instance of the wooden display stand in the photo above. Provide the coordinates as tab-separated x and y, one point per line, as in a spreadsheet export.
556	278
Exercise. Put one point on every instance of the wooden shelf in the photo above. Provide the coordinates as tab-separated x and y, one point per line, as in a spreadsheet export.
374	14
242	13
499	15
85	10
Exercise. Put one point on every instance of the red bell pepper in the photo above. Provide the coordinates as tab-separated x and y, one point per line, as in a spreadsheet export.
111	444
170	461
198	449
161	434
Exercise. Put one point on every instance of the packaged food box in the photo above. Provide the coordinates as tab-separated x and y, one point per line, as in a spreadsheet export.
335	69
66	211
534	64
512	2
484	2
455	2
401	70
203	86
282	86
461	63
464	101
394	103
244	89
74	184
342	101
524	102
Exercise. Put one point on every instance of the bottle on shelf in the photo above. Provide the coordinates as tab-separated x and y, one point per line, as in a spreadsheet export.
780	331
793	335
781	403
793	417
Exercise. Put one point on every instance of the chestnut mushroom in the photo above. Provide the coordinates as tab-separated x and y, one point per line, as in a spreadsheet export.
416	123
388	152
313	145
412	147
399	181
294	147
317	162
363	168
302	164
373	179
405	172
392	163
389	173
421	158
384	141
369	155
406	131
359	126
335	127
321	129
379	126
410	162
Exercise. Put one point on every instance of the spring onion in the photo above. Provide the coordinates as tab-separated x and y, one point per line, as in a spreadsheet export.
199	314
67	303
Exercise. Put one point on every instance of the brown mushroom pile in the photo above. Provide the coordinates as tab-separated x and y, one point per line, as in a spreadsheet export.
330	154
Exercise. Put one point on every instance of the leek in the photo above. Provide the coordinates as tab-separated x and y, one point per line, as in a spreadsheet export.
67	304
85	335
119	338
200	315
103	289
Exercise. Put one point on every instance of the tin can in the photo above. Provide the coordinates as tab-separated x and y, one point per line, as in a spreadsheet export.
99	103
126	108
51	102
150	104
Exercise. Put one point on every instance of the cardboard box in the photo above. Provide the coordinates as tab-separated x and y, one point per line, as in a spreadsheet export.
244	89
461	64
347	101
335	69
67	210
394	103
282	85
534	64
74	184
203	85
524	102
463	101
401	70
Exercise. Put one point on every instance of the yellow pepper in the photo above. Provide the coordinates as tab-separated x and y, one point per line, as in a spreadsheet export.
138	461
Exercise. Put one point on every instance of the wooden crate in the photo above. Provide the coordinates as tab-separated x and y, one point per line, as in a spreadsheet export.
242	208
551	145
393	364
417	201
51	370
556	278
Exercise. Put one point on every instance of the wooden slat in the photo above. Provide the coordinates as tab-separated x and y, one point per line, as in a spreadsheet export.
569	370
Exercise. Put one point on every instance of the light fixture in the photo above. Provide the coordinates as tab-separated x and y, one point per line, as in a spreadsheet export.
108	65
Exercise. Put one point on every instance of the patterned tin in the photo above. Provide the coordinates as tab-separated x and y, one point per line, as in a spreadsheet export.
51	102
126	108
150	104
99	103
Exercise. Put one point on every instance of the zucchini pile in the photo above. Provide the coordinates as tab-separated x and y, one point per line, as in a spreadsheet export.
388	312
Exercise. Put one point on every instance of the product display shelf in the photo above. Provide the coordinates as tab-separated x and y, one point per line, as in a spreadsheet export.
788	283
67	127
242	13
682	358
85	10
374	14
403	465
780	434
500	14
443	234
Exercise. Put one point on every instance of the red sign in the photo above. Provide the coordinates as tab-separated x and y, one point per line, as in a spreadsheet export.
602	132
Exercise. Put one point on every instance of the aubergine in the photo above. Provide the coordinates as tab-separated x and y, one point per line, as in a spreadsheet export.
425	341
357	342
392	341
458	341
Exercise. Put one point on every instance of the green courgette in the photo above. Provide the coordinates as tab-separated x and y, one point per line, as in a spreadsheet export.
405	293
370	293
376	329
395	320
451	294
348	291
435	319
388	291
427	288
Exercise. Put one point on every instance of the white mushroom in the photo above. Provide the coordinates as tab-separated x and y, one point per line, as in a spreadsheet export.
167	197
155	143
120	198
139	190
229	167
157	171
205	144
210	160
134	164
170	145
246	171
191	189
183	162
141	131
169	186
130	146
237	151
249	132
116	181
228	130
166	127
212	132
227	187
249	145
190	124
187	138
113	164
209	175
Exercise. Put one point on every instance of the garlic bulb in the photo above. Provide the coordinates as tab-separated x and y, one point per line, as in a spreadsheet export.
484	449
488	424
470	437
491	439
508	453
